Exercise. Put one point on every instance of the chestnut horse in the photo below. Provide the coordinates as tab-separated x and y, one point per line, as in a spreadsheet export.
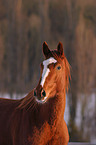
38	118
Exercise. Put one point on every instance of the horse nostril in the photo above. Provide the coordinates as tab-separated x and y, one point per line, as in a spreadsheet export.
43	93
34	92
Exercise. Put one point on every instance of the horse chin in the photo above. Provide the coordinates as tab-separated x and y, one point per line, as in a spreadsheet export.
41	100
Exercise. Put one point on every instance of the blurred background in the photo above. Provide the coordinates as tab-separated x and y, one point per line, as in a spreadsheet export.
24	25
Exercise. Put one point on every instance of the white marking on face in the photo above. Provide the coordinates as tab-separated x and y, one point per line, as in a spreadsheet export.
46	70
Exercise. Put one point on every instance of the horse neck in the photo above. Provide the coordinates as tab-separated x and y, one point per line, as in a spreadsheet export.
61	97
53	110
59	104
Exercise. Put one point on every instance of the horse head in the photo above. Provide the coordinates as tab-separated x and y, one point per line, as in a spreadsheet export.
54	74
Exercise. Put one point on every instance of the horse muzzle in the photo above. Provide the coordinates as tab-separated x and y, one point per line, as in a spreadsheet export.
40	94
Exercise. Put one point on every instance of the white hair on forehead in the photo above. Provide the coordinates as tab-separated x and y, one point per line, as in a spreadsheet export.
46	70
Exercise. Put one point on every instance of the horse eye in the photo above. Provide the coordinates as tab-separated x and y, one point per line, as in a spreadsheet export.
58	67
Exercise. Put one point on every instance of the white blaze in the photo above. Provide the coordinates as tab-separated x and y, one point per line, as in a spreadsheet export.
46	70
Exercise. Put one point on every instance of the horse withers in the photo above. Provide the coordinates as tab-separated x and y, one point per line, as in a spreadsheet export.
38	118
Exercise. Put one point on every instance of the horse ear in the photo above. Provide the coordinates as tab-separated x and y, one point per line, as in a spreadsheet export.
46	49
60	48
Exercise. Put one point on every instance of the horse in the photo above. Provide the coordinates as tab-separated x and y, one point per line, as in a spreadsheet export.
38	118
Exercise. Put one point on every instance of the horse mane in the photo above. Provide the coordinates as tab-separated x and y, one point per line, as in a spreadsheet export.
28	102
68	75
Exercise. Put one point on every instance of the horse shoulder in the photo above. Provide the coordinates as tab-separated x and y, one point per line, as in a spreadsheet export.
41	135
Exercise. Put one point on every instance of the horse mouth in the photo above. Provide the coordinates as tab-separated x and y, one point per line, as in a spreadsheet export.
43	100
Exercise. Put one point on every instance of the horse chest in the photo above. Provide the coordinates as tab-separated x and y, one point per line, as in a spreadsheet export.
41	135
